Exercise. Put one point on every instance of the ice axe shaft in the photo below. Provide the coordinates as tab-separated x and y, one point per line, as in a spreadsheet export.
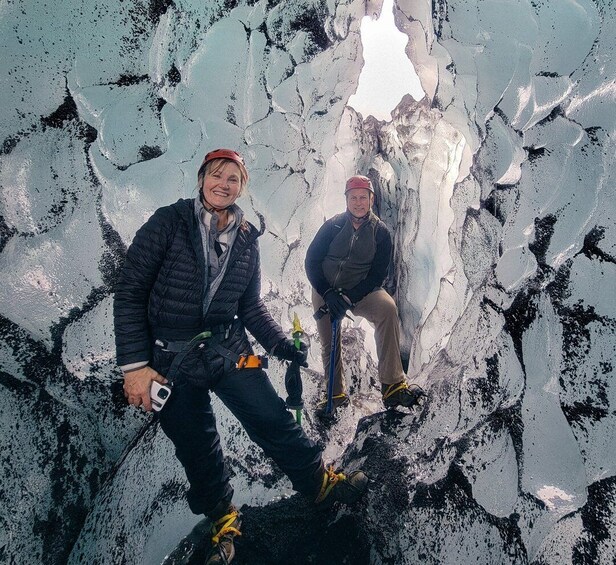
332	368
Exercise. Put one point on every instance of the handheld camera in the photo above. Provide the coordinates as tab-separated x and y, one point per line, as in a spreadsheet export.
159	394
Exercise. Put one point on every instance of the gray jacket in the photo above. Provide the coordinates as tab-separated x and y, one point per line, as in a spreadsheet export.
355	261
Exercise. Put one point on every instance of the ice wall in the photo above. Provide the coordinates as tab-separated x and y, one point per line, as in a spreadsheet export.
499	189
506	272
108	110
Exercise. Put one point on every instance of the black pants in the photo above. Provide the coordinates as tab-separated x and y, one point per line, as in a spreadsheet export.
189	421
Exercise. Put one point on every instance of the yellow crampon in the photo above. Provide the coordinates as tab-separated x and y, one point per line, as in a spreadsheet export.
340	396
225	527
330	479
392	389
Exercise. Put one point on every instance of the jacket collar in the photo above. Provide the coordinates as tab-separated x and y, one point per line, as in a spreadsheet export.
371	217
206	216
246	233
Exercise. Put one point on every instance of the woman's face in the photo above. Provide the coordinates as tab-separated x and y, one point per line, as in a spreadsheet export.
222	184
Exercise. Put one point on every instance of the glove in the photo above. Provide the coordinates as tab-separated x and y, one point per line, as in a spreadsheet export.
286	350
336	304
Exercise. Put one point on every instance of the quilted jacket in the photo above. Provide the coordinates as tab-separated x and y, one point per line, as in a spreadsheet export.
159	294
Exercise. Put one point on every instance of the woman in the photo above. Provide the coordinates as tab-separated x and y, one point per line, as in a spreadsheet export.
193	270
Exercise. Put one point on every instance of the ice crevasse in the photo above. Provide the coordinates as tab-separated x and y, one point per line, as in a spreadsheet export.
498	187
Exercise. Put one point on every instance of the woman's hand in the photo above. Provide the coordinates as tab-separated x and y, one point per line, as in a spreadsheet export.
286	350
137	386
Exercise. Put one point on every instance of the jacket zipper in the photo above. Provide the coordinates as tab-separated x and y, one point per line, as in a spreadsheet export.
342	263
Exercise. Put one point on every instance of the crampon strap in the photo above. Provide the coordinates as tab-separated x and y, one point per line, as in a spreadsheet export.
330	479
223	526
335	397
392	389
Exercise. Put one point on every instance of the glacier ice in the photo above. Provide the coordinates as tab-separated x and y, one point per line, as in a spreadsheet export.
499	188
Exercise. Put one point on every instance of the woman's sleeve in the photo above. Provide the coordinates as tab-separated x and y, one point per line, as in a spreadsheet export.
132	291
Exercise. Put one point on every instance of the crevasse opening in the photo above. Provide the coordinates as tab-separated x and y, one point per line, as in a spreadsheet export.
387	74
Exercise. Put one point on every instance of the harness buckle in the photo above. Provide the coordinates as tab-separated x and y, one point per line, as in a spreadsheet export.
252	362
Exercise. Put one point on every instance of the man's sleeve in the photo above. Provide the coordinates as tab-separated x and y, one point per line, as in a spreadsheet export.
315	255
378	271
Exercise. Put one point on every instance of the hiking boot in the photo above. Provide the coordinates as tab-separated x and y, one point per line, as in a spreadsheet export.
336	486
339	400
223	531
402	394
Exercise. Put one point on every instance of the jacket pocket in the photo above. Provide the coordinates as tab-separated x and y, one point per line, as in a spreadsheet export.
162	360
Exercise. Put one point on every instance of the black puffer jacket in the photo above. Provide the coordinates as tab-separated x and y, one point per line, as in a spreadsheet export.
160	291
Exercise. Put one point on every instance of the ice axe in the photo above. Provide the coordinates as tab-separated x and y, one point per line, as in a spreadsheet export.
292	378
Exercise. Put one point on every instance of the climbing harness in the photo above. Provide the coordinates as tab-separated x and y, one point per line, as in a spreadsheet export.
251	362
210	338
240	361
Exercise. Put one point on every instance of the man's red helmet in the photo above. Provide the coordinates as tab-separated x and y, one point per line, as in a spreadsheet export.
358	181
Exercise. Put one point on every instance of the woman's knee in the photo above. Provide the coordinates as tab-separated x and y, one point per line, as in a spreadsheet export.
274	416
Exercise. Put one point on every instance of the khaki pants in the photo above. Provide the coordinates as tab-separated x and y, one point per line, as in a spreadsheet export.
378	308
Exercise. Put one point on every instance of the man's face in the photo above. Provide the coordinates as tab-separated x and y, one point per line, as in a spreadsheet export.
359	201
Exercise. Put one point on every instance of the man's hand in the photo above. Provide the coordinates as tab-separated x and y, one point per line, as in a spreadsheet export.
137	386
337	304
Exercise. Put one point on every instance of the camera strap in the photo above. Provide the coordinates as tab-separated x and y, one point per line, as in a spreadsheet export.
183	348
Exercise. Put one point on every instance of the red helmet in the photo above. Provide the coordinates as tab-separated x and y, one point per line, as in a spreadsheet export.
224	154
358	181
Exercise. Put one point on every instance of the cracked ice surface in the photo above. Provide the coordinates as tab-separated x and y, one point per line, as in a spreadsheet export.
109	109
498	188
553	465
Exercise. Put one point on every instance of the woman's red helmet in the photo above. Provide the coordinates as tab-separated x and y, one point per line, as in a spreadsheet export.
229	155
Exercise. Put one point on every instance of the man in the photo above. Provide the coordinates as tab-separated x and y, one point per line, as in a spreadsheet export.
346	264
